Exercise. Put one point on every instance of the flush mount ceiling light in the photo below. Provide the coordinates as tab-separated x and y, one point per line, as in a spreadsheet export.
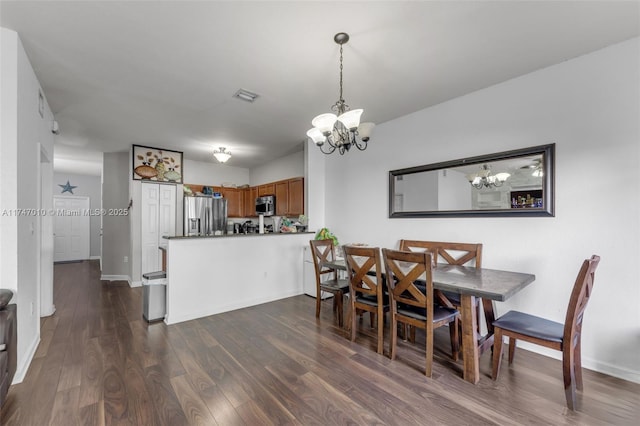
344	130
484	178
222	155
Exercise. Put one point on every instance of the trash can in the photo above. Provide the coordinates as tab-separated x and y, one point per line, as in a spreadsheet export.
154	287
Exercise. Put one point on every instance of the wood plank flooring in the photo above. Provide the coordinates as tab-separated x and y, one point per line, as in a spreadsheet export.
100	363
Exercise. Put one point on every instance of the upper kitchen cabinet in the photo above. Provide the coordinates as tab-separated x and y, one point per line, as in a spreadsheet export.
266	189
249	196
235	201
290	197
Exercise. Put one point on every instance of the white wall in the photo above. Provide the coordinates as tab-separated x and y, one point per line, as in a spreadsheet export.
86	186
589	107
214	173
115	195
26	138
282	168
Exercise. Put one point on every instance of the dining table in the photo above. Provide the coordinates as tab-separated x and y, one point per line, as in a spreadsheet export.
471	283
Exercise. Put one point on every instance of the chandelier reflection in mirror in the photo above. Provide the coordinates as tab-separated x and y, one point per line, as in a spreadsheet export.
484	178
342	129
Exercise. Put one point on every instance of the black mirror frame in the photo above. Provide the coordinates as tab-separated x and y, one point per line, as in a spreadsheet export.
548	155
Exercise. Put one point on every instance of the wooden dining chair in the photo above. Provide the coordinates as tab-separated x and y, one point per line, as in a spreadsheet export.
409	304
327	279
366	288
462	254
562	337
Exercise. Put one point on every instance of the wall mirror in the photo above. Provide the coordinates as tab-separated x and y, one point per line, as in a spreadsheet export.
511	183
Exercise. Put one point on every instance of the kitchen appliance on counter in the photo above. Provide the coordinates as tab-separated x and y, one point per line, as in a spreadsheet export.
205	215
266	205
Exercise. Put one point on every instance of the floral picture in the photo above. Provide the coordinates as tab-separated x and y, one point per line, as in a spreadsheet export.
157	165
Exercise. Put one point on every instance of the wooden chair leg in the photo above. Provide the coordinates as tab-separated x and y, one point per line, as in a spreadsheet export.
577	360
497	352
512	349
380	331
568	372
412	334
394	337
339	306
429	351
318	302
372	316
455	339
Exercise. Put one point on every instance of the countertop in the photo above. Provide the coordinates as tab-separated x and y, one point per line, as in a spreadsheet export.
270	234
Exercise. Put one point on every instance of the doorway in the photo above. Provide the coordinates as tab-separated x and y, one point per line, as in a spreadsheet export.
71	228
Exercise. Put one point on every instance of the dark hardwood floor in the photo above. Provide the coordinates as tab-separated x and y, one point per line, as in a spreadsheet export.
100	363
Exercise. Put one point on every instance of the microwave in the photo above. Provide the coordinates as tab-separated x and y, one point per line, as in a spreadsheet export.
266	205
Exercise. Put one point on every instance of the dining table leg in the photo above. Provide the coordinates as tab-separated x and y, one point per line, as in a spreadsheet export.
470	352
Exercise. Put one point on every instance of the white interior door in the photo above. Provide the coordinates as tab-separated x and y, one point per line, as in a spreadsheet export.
149	230
167	218
71	228
158	220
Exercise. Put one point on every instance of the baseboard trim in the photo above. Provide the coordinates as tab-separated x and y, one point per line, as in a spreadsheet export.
22	369
114	278
95	258
48	312
135	283
588	363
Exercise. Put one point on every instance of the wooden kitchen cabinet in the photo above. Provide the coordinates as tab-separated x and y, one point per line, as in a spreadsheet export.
296	197
282	198
235	201
249	195
267	189
290	197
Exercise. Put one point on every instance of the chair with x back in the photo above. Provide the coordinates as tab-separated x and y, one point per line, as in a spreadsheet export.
562	337
462	254
366	287
409	304
327	278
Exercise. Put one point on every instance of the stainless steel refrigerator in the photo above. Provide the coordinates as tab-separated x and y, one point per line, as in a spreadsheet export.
205	215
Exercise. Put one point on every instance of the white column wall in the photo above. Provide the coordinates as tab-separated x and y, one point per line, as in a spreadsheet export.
26	133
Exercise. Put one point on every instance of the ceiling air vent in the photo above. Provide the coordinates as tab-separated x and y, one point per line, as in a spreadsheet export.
246	95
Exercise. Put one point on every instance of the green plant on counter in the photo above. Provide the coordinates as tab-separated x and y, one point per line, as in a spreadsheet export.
325	234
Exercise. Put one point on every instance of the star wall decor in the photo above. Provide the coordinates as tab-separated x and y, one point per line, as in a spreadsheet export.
67	187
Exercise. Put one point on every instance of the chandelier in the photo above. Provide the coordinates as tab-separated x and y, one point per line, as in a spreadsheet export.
484	178
342	129
222	155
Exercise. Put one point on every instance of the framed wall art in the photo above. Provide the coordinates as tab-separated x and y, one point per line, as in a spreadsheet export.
157	165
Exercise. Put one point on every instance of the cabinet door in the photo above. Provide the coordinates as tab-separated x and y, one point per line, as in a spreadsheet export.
234	202
296	197
268	189
249	196
282	198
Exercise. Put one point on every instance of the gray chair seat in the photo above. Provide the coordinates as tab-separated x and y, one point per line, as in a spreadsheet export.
531	325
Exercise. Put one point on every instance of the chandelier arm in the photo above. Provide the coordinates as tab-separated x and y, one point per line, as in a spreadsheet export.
332	148
361	145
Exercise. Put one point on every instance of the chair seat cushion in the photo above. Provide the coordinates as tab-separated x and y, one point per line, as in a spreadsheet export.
335	285
371	300
439	313
531	325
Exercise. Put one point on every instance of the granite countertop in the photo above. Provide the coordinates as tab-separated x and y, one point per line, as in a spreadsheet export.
270	234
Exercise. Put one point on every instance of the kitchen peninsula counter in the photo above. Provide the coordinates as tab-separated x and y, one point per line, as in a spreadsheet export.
207	275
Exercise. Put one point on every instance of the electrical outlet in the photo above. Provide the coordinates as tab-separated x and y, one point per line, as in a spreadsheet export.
126	259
